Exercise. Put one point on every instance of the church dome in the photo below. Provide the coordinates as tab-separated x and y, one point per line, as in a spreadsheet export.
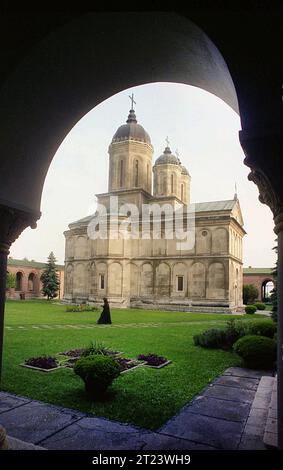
131	131
167	158
184	170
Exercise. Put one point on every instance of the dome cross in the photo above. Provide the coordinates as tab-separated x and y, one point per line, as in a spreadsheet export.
132	100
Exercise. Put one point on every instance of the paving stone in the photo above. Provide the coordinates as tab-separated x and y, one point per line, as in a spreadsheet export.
218	408
97	433
35	421
16	444
263	392
255	430
8	402
243	372
218	433
161	442
249	442
272	413
270	439
271	425
257	416
242	382
266	382
261	402
230	393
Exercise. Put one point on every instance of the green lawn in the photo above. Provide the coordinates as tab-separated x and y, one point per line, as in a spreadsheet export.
144	396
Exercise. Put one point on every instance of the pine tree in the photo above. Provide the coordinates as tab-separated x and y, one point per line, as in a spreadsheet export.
49	278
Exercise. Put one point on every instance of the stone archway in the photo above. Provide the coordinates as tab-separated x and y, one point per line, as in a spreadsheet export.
266	288
35	95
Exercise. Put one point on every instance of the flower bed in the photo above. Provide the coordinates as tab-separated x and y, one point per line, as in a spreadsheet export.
42	363
152	360
126	364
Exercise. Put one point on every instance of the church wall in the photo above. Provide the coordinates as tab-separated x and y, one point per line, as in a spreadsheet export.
208	276
197	280
146	280
185	181
115	279
180	280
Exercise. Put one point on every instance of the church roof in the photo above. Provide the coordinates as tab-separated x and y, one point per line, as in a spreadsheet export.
131	131
215	206
25	263
167	158
83	221
252	271
184	170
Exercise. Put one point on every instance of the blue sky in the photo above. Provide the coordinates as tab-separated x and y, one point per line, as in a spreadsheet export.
203	129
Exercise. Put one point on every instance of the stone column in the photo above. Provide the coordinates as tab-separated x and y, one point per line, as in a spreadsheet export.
12	223
264	153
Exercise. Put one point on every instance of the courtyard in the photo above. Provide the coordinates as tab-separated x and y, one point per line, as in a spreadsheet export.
144	397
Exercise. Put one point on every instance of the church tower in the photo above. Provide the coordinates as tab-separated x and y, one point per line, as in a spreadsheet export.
130	157
171	179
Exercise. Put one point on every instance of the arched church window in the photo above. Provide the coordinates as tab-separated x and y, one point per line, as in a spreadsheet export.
182	192
136	173
121	173
164	188
172	183
147	175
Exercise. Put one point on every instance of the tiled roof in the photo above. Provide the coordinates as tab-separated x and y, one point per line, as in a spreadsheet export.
215	206
31	264
258	271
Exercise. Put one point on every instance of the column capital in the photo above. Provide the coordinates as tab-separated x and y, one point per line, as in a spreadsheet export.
264	156
12	222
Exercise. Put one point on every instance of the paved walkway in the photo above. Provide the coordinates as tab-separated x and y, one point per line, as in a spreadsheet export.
52	326
215	419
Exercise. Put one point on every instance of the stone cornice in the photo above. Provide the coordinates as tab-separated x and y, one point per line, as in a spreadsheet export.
13	222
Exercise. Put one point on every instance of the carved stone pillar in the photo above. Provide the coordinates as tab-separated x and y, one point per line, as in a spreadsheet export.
12	223
264	155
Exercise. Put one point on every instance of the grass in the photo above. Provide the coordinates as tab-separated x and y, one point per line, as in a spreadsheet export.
144	396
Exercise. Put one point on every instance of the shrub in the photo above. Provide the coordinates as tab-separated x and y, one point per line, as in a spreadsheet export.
213	338
257	352
250	309
97	372
95	348
44	362
261	328
233	331
224	339
260	306
250	293
81	308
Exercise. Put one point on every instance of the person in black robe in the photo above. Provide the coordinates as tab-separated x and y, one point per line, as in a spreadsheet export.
105	317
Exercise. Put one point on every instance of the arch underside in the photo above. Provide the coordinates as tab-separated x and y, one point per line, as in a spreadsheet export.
56	84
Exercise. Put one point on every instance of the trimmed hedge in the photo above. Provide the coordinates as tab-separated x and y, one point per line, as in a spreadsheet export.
257	352
250	309
261	328
97	372
260	305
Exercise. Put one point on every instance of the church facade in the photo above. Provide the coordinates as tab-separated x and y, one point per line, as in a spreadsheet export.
155	271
